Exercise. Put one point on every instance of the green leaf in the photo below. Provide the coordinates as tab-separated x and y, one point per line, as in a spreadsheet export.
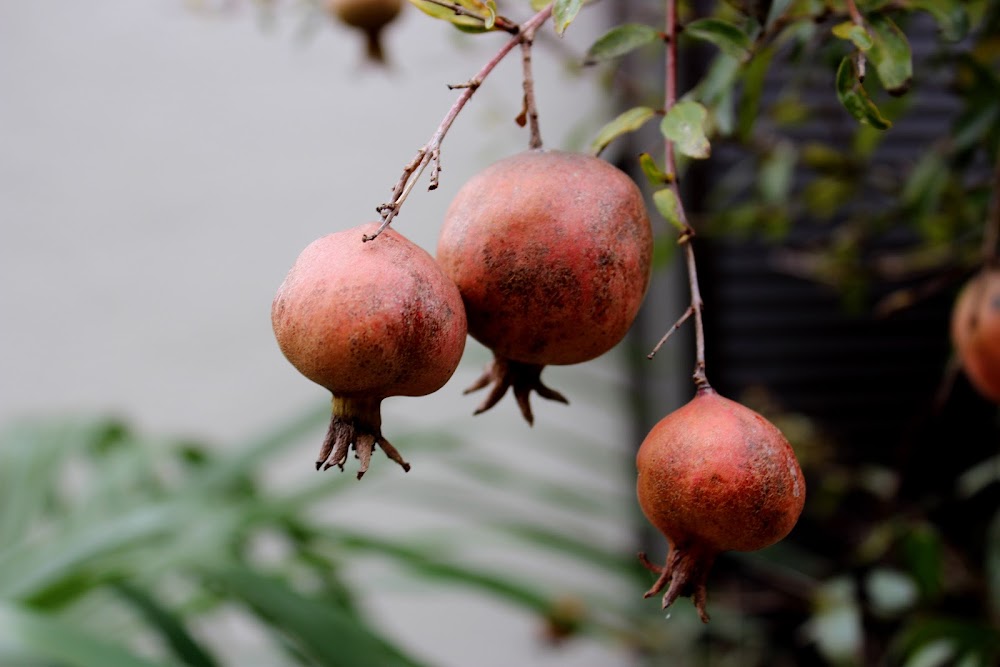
460	21
539	5
754	77
563	13
38	639
627	121
620	40
777	173
170	626
669	207
684	125
925	183
950	15
852	32
923	552
855	98
491	19
654	174
28	569
891	54
730	39
331	636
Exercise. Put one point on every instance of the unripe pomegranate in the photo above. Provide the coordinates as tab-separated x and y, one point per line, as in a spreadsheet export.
368	16
975	331
715	476
551	252
368	320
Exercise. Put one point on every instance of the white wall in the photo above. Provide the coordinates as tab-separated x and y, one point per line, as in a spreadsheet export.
161	168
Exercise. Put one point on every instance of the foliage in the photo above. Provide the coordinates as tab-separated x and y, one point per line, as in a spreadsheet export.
126	547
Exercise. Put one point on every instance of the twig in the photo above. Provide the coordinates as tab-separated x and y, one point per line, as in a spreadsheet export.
855	14
431	151
530	109
687	233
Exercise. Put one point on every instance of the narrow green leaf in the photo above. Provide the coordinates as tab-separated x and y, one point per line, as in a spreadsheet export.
505	586
754	77
924	556
539	5
925	183
669	207
563	13
34	638
684	125
777	174
951	16
656	176
855	99
620	40
625	122
890	52
578	547
28	569
852	32
730	39
169	625
331	636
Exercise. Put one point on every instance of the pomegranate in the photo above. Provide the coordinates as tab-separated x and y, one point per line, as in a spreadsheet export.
367	321
368	16
714	476
975	331
551	251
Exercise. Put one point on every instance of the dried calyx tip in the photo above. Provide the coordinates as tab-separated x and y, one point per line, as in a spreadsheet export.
524	378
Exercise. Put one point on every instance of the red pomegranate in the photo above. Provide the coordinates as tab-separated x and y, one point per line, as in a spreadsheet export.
714	476
975	331
368	320
551	252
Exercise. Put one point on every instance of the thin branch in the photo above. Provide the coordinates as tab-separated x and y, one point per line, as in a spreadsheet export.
677	325
854	13
431	151
687	233
530	109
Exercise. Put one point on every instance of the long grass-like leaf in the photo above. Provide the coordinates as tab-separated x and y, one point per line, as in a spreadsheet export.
168	625
28	568
329	635
33	638
523	594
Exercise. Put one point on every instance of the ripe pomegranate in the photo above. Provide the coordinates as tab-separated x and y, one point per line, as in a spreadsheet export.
551	252
714	476
975	331
367	321
368	16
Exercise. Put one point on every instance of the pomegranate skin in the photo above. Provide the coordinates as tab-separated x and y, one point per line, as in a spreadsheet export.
975	332
368	320
715	476
368	16
552	253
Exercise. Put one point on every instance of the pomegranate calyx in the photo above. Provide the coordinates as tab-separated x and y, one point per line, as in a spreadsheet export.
522	377
357	423
686	572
